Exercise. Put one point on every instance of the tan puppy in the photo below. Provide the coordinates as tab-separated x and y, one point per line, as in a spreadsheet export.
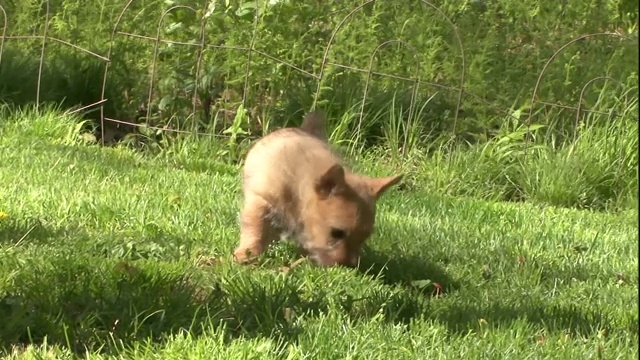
293	183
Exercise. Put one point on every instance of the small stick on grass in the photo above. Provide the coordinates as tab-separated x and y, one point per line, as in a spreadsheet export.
293	264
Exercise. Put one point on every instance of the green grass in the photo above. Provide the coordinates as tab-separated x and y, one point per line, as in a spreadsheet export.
107	253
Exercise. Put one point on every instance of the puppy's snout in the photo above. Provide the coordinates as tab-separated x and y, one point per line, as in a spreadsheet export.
325	259
354	260
350	262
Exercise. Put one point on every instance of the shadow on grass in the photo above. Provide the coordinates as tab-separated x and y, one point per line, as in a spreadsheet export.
14	231
408	271
85	303
84	306
81	307
577	322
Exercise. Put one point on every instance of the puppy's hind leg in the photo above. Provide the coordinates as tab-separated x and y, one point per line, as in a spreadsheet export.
256	230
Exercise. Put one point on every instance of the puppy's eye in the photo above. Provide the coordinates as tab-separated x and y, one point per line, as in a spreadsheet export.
338	234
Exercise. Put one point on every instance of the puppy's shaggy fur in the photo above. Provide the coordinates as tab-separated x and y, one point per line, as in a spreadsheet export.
293	183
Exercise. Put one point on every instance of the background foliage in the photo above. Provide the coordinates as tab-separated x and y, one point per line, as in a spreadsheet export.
506	45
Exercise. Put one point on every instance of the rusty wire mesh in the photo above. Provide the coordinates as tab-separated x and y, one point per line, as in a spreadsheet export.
250	50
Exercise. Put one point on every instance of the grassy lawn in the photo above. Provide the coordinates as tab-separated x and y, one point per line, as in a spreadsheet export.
129	257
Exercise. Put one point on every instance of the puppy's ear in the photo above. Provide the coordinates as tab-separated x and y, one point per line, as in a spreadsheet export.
330	181
314	123
378	186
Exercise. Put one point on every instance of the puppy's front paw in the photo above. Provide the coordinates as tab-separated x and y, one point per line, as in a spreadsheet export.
245	255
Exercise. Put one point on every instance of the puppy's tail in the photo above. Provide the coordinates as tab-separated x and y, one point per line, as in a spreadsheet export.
315	124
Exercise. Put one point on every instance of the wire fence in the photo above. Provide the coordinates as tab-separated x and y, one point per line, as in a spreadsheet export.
250	51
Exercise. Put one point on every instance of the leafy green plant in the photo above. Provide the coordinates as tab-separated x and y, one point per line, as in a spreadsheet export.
236	130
